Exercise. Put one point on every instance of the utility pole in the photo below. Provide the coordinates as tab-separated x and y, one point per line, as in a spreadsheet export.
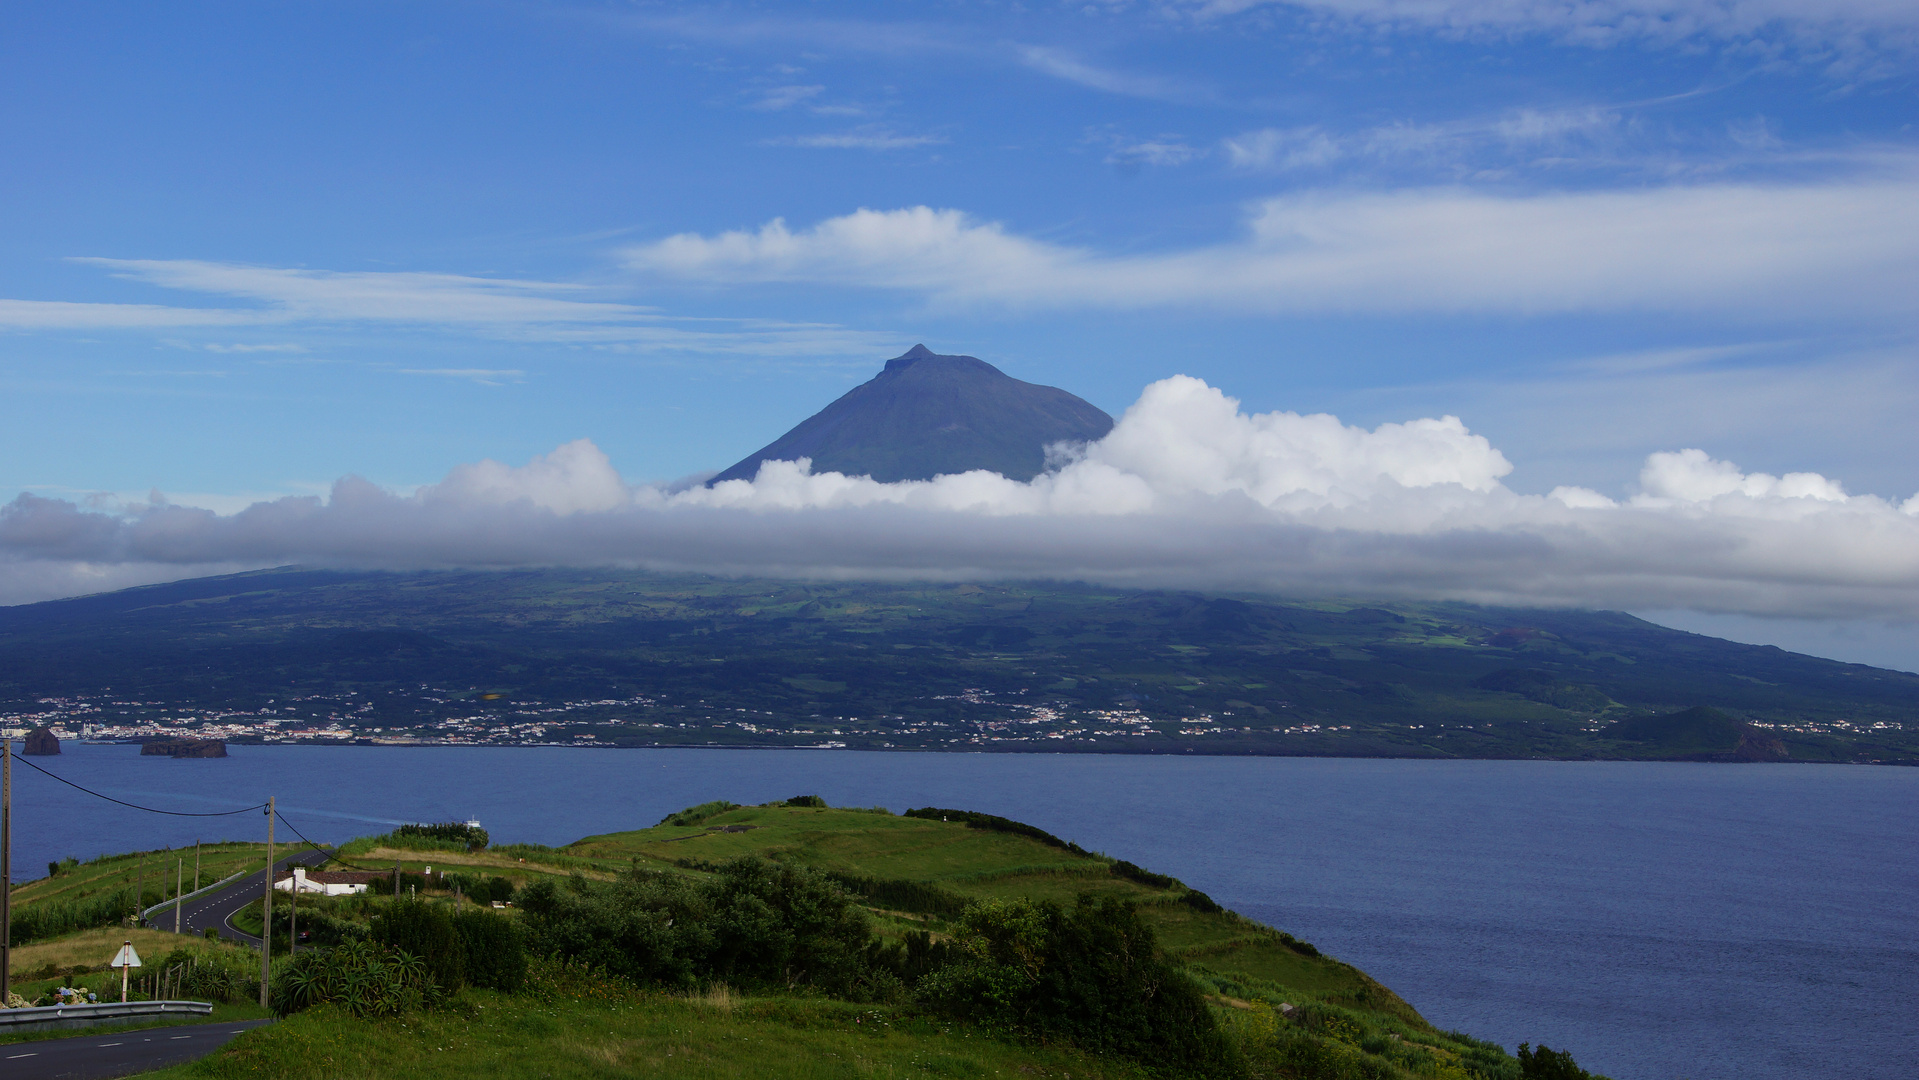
6	870
179	875
266	913
293	915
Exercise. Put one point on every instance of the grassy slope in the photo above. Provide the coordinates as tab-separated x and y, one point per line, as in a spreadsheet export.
976	863
152	872
652	1036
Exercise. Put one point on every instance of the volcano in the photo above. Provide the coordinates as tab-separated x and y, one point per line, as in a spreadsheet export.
928	414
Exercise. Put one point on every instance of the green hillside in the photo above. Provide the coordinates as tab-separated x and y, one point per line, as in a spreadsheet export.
628	658
1271	1006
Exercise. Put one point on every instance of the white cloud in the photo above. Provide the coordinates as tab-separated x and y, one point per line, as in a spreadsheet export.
483	376
1758	250
1824	25
864	139
1061	64
508	308
1187	491
1525	132
779	98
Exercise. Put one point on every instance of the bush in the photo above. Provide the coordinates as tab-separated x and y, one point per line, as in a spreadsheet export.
900	895
1124	869
366	978
417	883
425	932
994	823
471	837
755	924
1091	974
697	815
806	801
492	955
481	890
1199	901
1547	1064
39	922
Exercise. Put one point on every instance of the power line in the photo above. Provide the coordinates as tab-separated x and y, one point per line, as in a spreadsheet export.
136	806
332	855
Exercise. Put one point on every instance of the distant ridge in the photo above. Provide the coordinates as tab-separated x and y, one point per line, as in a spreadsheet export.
927	414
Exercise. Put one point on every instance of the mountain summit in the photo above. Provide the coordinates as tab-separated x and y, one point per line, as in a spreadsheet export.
928	414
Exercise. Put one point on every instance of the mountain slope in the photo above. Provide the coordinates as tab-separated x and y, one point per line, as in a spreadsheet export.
928	414
630	658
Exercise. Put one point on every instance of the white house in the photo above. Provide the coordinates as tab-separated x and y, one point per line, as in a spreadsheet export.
324	882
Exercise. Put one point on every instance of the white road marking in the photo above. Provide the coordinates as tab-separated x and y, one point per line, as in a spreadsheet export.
15	1057
103	1046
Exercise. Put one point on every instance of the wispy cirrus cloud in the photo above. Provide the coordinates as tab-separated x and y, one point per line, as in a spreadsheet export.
862	139
1823	29
1519	134
781	98
1838	247
482	376
1074	68
499	308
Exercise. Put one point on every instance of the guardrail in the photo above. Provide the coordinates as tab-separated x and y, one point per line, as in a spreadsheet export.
38	1017
202	891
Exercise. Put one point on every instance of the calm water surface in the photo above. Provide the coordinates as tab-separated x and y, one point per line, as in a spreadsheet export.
1661	921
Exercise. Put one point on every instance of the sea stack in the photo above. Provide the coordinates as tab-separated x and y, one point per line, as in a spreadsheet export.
41	743
185	748
929	414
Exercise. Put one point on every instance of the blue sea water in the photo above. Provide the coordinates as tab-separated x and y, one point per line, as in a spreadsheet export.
1660	921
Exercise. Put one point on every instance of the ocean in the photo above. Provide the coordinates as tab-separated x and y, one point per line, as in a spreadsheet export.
1660	921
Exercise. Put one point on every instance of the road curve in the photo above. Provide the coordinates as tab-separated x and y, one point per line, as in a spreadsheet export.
116	1053
214	909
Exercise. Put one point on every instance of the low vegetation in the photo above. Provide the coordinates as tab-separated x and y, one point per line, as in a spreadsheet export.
796	940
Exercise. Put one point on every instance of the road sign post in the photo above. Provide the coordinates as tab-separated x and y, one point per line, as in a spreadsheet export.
126	960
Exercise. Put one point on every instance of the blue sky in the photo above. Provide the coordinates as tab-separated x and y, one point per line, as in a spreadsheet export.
254	248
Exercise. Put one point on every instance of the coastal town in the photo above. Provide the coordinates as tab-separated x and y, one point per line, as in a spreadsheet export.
986	719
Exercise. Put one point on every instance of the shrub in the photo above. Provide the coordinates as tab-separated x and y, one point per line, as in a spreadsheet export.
900	895
425	932
755	924
994	823
492	955
1199	901
471	837
697	815
1090	974
482	890
1124	869
39	922
368	979
806	801
1547	1064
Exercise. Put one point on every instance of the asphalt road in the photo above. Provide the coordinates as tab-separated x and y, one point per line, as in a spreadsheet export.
215	909
121	1053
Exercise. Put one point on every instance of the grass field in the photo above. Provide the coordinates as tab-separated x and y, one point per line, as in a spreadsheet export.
1343	1025
701	1038
976	863
153	872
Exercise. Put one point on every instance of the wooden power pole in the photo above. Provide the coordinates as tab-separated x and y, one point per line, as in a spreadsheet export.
266	913
6	870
